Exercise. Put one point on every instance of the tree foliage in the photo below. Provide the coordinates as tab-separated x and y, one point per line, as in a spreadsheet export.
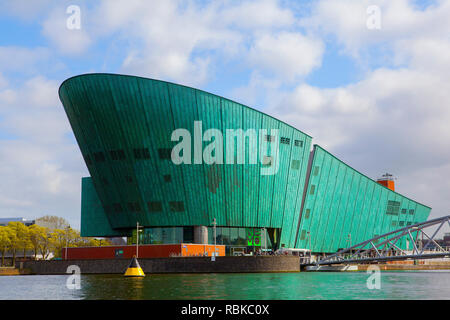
6	237
43	241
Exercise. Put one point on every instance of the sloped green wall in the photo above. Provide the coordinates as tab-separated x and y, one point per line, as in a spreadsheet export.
94	220
346	207
109	112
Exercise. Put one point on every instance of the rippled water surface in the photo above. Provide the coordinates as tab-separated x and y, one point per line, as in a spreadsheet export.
280	286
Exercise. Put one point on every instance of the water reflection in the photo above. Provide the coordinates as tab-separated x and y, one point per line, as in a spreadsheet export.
274	286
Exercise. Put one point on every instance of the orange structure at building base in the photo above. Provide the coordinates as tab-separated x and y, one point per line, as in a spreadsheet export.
145	251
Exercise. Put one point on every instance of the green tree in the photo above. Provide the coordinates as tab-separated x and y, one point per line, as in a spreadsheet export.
93	242
14	244
44	244
57	242
38	238
5	241
20	239
60	238
25	241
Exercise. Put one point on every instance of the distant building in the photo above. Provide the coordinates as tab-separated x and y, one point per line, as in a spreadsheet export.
446	240
5	221
430	245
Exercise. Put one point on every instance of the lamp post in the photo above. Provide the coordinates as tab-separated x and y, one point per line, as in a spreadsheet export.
214	227
138	229
265	239
309	238
67	239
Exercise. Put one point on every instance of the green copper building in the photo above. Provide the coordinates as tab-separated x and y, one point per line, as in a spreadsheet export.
266	187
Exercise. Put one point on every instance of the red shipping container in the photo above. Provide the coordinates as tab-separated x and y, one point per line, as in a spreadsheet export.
145	251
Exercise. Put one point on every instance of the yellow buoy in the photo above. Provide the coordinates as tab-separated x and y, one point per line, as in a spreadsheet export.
134	269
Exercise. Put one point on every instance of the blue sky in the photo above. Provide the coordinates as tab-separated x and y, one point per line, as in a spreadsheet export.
377	98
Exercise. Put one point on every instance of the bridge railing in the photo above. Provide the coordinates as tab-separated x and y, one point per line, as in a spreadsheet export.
384	247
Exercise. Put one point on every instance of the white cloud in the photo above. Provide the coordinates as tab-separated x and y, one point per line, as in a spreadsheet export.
164	37
3	81
39	179
426	54
33	111
250	94
41	92
68	41
25	9
40	167
393	120
288	55
182	41
400	21
258	14
7	97
22	60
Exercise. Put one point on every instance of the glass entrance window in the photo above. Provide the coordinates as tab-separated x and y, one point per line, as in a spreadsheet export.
242	237
226	236
234	236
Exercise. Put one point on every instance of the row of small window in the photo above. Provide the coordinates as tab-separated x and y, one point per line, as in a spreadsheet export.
139	153
295	164
394	210
284	140
308	212
174	206
316	171
129	179
402	223
163	153
393	207
297	143
153	206
303	235
105	181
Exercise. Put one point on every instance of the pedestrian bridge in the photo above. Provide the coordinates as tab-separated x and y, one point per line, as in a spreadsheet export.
384	248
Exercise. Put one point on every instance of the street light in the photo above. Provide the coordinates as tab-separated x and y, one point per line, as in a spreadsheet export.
67	240
214	227
310	249
138	229
265	239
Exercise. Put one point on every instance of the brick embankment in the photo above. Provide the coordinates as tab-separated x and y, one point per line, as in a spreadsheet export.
172	265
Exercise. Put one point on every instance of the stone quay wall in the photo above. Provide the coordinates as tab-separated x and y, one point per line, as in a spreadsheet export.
170	265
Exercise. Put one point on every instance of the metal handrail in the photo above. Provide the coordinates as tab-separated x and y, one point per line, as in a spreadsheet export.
388	250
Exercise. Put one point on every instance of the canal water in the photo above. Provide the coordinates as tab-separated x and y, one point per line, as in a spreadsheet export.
260	286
